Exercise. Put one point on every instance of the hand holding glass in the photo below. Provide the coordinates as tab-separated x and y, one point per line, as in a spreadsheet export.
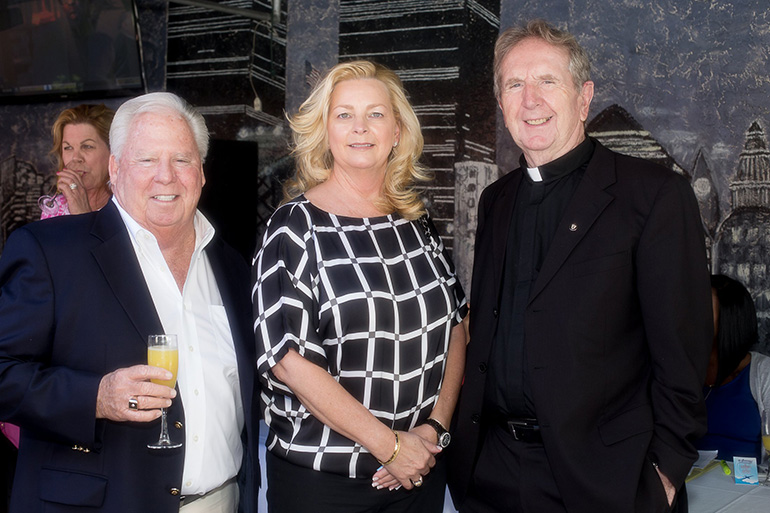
162	352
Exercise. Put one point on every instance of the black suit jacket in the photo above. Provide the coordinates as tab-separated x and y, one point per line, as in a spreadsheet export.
618	330
74	306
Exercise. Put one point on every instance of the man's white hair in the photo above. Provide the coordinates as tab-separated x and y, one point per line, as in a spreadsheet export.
153	102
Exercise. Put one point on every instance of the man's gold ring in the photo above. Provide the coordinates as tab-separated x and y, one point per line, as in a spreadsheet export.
417	483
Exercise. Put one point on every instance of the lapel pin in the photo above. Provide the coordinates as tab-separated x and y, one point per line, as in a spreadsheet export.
573	227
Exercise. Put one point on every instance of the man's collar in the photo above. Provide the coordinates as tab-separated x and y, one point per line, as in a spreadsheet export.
563	165
204	231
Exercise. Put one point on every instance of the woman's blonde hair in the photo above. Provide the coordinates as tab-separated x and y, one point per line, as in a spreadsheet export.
313	158
98	116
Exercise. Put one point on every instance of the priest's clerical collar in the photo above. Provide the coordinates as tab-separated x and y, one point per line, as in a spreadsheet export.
570	161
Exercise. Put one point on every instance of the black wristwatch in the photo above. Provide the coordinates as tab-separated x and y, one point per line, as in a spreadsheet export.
443	435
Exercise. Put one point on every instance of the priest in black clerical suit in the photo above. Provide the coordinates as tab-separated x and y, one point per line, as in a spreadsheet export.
591	310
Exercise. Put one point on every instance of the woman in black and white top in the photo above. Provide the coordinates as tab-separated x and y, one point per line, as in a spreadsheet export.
357	310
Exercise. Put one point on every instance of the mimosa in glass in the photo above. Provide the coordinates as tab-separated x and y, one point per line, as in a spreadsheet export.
162	352
165	358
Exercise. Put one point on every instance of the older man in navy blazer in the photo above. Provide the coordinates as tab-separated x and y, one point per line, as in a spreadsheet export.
79	296
591	320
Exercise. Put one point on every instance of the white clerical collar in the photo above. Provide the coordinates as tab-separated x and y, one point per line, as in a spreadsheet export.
534	174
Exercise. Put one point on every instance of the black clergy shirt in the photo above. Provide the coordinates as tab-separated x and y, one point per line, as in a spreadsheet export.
539	207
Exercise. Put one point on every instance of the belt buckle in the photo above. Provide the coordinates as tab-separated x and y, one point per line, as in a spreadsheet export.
184	500
520	429
516	430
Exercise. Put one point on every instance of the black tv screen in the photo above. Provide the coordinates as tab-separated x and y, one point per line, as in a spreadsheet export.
66	49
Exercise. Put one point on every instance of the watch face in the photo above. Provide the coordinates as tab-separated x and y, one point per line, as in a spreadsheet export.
444	439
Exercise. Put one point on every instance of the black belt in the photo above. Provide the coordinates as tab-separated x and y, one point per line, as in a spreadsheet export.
523	430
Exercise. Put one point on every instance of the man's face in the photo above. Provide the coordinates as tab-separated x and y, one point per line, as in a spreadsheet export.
159	176
71	8
542	108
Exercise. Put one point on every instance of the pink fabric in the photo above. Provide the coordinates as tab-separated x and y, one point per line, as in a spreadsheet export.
11	432
53	206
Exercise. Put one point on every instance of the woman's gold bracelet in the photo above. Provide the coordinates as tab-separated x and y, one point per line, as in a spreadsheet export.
395	452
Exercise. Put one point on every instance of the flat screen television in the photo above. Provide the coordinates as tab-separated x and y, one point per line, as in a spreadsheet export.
68	49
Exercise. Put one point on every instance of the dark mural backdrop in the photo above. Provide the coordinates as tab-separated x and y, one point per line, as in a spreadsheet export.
684	83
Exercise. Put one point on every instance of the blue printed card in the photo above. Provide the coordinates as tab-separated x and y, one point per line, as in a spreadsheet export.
745	470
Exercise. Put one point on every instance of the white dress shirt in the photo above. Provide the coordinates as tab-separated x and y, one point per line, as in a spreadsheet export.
208	372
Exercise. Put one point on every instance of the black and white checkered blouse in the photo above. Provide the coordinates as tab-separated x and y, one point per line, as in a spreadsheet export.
373	302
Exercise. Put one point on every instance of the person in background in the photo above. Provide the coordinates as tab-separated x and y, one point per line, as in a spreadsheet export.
591	323
737	380
81	150
79	296
357	310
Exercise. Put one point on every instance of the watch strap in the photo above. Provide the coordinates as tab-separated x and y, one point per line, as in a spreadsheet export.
438	426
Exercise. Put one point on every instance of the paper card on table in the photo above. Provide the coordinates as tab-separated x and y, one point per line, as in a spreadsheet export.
745	470
704	458
697	472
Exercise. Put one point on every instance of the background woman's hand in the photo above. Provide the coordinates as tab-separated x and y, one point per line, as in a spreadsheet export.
77	198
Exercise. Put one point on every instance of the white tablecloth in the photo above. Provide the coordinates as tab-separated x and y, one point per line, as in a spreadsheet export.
715	492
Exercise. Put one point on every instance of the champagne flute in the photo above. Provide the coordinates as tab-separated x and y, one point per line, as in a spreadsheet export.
766	441
162	352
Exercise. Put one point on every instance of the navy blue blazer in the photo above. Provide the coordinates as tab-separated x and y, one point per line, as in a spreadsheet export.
618	334
74	306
